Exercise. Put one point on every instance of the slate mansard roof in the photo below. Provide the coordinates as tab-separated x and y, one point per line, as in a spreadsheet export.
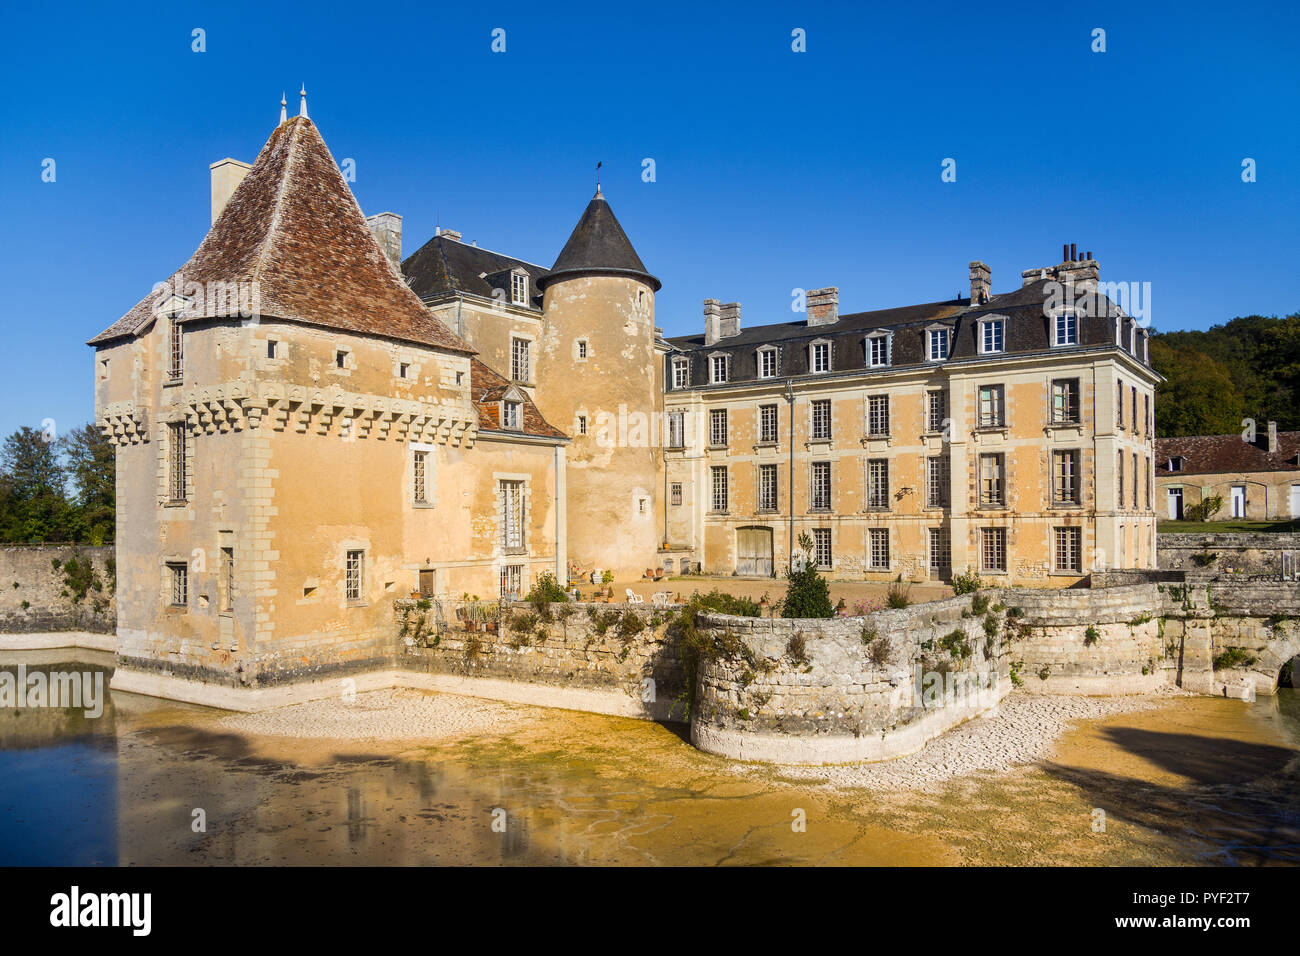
445	265
1226	454
1027	330
294	229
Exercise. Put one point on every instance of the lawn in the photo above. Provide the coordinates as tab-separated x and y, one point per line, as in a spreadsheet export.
1225	527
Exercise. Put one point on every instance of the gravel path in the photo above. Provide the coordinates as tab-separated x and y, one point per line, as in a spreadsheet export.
1023	731
381	715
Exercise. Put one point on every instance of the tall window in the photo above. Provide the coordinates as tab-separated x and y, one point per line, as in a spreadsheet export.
821	486
937	481
940	549
518	288
1119	405
1065	478
178	574
718	427
1119	480
767	487
821	419
991	335
1151	500
1069	549
512	515
718	365
176	358
519	360
510	414
878	549
877	351
675	493
176	477
992	492
767	424
354	578
767	363
878	415
1133	404
1066	331
1146	404
936	409
821	357
512	581
878	483
680	370
822	548
226	581
937	344
992	406
676	429
419	486
582	348
1136	504
993	549
719	475
1065	401
582	424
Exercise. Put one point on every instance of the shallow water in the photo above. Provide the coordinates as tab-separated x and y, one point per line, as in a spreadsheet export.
1197	781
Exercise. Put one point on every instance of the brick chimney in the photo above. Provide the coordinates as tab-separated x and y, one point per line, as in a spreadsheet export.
824	306
712	321
981	283
387	227
729	322
227	174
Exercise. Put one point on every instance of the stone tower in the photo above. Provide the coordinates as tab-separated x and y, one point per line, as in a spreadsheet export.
598	379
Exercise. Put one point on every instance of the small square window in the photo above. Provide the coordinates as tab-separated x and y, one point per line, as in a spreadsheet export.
403	370
341	358
271	345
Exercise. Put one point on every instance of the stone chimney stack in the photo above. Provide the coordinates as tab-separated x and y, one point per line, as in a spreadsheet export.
1272	438
712	321
449	233
387	227
729	321
1078	270
824	306
227	174
981	283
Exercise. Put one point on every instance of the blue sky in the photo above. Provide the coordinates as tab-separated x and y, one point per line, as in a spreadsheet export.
774	169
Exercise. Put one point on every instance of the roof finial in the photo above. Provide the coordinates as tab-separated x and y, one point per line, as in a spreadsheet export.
598	195
283	103
302	109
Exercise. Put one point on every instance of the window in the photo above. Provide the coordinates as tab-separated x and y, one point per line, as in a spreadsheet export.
820	489
103	370
822	548
518	288
767	363
178	574
719	475
176	364
878	549
992	406
512	515
582	424
767	424
1119	480
520	370
878	415
993	549
176	477
936	409
767	488
992	492
718	427
354	578
1065	401
878	483
582	348
403	370
1133	404
510	415
821	419
341	358
940	549
937	481
1135	481
1119	405
226	581
1146	404
419	487
820	357
1151	498
718	366
1067	329
271	348
991	336
1176	463
937	347
680	370
1065	478
512	581
878	349
675	493
1069	549
676	429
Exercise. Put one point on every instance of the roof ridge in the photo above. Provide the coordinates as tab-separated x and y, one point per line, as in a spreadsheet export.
264	247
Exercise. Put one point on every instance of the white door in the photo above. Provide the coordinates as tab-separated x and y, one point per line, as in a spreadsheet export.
1239	501
1175	504
1295	501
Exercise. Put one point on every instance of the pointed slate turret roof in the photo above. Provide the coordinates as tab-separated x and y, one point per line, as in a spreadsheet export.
598	245
294	228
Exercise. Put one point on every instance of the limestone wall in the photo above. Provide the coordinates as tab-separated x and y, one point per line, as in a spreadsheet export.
1240	553
36	594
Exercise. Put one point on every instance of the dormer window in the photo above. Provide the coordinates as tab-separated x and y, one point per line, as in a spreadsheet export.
879	348
767	363
1176	463
819	357
510	414
719	366
519	288
681	373
991	336
937	344
1066	331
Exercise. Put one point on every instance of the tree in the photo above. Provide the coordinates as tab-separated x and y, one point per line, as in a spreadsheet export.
91	464
1198	396
808	594
36	507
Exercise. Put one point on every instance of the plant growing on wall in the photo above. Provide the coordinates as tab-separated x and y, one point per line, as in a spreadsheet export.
879	650
696	645
1091	636
1233	657
966	582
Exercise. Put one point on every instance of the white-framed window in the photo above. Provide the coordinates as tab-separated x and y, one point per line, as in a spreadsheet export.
992	481
819	357
718	427
1176	463
878	350
681	373
1066	328
176	350
767	424
820	424
940	549
718	474
676	429
719	366
419	477
767	363
511	415
937	344
938	478
1066	484
993	549
511	581
878	483
936	409
675	493
822	548
226	580
355	576
991	336
878	549
767	476
877	415
518	288
512	514
992	406
820	486
520	367
1069	549
178	579
1065	401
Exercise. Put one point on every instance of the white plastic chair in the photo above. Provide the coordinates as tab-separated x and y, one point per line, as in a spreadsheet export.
633	597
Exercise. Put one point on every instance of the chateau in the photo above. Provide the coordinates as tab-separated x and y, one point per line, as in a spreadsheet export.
309	428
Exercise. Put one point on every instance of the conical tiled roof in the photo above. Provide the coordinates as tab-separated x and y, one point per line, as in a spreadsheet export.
598	245
294	228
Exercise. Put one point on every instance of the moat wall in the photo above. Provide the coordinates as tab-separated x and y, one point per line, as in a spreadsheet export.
1228	552
37	593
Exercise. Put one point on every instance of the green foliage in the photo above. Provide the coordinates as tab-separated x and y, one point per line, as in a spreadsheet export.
607	577
1204	510
807	594
630	626
990	625
1091	636
1204	558
1233	657
695	645
546	590
797	649
1016	679
604	620
966	582
979	603
724	603
898	595
35	477
956	644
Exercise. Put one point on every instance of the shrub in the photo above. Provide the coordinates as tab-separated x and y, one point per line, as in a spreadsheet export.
898	595
630	626
868	633
725	603
956	644
1233	657
990	625
966	583
546	590
1204	559
979	603
807	595
604	620
1205	510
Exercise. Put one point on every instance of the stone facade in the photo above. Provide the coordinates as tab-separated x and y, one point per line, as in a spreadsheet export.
38	594
1267	554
